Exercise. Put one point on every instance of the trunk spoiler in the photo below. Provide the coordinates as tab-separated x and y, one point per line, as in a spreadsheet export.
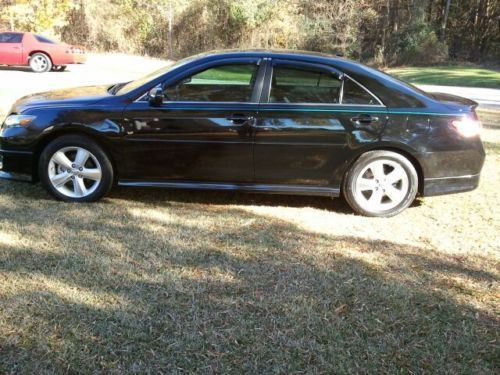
454	100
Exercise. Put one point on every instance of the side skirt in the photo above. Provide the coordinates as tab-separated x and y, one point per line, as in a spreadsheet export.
256	188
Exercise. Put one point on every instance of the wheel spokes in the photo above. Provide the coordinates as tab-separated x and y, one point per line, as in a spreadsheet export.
92	174
365	184
381	185
377	169
376	197
396	175
60	179
81	157
394	194
61	159
79	187
84	172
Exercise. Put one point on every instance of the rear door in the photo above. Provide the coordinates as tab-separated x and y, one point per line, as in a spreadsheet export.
203	131
311	118
11	48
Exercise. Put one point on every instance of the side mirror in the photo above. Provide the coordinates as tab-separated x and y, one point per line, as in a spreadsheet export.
156	97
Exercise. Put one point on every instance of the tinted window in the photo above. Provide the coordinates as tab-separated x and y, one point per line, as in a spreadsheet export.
295	85
11	38
225	83
43	39
355	94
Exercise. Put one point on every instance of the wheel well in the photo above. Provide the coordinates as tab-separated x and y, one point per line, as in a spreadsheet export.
45	53
49	138
410	157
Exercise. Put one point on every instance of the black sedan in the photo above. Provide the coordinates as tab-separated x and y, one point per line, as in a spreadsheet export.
261	121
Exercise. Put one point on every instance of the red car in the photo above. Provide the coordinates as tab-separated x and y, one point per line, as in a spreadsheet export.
39	52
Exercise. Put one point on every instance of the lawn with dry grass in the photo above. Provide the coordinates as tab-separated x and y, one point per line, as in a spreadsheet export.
157	281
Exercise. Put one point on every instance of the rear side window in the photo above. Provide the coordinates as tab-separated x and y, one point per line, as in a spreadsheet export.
355	94
11	38
43	39
224	83
296	85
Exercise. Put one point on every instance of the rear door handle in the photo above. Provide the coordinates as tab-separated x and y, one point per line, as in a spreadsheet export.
240	119
364	119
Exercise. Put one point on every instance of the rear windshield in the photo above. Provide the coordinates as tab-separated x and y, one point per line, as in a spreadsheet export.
43	39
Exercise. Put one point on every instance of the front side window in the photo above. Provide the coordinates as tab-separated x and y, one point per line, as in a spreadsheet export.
11	38
223	83
296	85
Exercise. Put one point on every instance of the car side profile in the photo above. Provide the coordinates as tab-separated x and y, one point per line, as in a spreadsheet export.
38	52
256	121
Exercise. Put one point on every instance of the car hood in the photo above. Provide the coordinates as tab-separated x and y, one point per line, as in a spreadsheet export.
453	100
72	96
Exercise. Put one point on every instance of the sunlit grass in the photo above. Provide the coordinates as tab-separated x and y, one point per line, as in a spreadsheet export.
449	75
157	281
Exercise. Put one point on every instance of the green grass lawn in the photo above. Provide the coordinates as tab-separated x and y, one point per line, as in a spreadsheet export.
449	75
158	281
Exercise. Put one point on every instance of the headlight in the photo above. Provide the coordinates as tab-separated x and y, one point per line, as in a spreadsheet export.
18	120
467	127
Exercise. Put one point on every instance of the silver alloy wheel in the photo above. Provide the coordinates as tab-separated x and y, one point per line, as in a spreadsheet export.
382	185
39	63
74	172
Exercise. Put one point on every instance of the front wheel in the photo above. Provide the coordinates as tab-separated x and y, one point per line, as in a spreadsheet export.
380	183
74	168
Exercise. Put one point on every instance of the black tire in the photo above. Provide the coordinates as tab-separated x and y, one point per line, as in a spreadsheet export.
352	194
81	141
59	68
40	62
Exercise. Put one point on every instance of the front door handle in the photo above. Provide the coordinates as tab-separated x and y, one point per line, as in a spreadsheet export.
240	119
364	119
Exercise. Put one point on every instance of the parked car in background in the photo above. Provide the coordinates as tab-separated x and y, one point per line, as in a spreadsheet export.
38	52
261	121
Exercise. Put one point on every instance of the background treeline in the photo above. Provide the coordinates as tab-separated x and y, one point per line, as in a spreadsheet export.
381	32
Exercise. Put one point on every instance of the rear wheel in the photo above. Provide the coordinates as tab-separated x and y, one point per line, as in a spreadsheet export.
40	62
74	168
381	183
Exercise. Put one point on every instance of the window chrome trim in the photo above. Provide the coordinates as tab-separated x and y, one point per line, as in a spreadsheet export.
324	105
143	98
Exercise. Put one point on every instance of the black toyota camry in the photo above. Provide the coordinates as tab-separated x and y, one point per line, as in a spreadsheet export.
262	121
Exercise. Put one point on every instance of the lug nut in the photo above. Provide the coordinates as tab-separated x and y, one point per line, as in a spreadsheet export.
72	177
73	165
80	169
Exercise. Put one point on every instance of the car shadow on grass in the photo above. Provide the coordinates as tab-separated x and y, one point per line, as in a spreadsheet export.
138	288
164	196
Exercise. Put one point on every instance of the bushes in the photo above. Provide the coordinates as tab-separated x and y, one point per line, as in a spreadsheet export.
384	32
417	45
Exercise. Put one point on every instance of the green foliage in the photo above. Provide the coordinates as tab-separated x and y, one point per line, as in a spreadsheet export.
418	45
383	32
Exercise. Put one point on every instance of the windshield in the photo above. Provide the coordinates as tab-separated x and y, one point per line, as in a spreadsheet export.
131	86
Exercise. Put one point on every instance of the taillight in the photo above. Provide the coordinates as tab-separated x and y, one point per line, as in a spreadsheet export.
467	127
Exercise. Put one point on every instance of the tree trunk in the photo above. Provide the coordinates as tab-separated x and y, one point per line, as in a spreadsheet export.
445	20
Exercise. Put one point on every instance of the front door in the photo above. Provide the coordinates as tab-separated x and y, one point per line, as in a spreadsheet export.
11	48
203	131
311	116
